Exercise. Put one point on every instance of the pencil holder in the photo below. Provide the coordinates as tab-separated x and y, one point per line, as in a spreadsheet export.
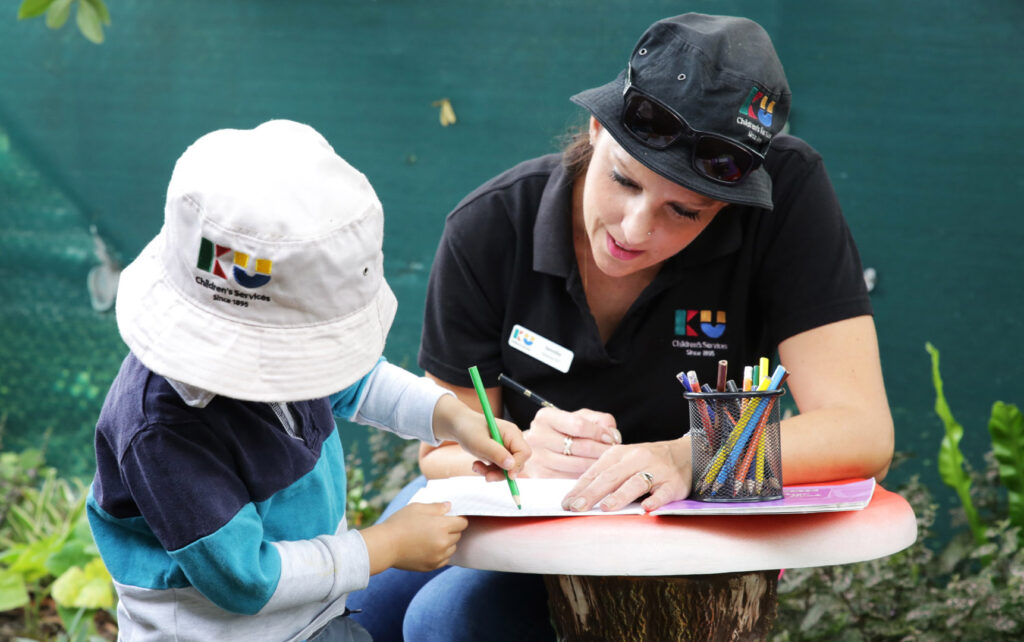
737	451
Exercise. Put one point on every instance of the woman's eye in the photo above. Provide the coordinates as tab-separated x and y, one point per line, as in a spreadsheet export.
692	215
678	210
622	180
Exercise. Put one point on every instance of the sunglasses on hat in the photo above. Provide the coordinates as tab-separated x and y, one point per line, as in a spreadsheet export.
658	126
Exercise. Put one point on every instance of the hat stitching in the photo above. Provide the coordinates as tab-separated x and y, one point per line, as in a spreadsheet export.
707	62
271	328
202	212
733	198
186	298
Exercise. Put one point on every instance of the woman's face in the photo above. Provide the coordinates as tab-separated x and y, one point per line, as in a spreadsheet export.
634	218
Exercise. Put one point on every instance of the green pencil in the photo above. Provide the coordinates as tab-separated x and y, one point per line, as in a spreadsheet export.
479	385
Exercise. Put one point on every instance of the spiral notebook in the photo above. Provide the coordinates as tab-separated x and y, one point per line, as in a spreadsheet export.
543	497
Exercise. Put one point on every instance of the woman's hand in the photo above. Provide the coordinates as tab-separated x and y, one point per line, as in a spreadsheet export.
565	444
661	470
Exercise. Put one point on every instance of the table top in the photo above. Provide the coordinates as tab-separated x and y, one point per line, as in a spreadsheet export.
687	545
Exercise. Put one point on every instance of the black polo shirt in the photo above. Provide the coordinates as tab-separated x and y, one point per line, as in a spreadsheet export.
751	279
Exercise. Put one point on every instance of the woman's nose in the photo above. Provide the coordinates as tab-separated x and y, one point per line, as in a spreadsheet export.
637	226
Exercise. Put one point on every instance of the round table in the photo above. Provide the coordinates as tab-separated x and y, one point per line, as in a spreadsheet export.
699	577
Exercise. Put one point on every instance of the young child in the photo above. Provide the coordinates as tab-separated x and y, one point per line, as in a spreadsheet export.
256	316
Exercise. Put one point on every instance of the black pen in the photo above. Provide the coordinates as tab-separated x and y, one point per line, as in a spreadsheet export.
526	392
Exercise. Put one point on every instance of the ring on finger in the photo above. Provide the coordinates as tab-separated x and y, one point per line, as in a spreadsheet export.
648	479
567	446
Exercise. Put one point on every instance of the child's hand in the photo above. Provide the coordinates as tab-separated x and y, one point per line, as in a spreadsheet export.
455	421
419	537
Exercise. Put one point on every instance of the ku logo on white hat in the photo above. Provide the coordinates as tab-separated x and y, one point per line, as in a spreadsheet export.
212	258
266	282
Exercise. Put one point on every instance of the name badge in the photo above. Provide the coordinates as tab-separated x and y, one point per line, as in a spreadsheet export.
541	349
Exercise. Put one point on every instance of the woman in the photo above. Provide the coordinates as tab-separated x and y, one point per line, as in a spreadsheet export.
679	230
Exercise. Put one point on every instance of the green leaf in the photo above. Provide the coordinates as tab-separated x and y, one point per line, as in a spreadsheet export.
951	458
1006	426
956	551
102	10
22	523
813	616
31	459
72	554
31	559
78	623
33	8
88	20
90	587
13	592
58	13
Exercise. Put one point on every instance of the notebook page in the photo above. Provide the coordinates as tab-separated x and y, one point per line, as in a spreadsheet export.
474	496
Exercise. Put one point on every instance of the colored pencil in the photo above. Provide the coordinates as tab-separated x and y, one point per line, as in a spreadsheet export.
474	374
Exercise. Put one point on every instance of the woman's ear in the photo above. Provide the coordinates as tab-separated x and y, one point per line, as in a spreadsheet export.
594	129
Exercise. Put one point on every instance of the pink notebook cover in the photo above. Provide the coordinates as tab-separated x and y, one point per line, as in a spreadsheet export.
804	498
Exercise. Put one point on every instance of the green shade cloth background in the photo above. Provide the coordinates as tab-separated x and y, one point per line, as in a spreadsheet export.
914	105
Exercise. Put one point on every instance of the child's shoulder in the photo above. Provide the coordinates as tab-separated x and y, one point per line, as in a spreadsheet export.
139	398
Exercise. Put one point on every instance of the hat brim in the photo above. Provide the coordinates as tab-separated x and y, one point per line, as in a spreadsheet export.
605	103
175	338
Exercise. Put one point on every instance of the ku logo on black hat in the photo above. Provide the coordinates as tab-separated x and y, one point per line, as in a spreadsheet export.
699	102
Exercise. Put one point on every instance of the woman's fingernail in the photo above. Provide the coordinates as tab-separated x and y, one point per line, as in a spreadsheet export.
607	438
617	436
508	463
578	504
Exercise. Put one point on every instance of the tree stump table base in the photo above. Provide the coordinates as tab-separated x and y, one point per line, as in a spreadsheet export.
699	608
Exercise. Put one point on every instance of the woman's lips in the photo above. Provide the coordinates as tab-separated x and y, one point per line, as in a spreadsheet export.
619	252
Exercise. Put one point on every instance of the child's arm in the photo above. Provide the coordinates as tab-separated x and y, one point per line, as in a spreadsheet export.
419	537
455	421
396	400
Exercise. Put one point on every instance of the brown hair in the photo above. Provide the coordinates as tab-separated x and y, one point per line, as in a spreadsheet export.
576	151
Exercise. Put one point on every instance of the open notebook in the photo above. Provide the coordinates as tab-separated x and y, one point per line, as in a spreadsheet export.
543	497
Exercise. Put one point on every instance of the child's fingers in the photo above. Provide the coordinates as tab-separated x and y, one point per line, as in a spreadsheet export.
435	508
490	472
457	524
491	451
515	444
511	456
446	556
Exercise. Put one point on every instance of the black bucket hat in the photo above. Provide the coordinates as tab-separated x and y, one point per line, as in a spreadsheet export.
722	76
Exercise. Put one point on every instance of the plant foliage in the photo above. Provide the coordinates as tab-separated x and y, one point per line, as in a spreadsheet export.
47	551
393	464
1007	429
951	459
90	15
973	589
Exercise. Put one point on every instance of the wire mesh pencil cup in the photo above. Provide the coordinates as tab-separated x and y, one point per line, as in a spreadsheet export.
736	447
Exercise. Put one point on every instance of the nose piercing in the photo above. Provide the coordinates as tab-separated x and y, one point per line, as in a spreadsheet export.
650	233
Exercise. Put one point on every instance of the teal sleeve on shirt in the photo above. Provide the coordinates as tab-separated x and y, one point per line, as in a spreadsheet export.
345	403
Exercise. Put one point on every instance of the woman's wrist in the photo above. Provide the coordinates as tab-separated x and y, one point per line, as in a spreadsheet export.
682	456
682	460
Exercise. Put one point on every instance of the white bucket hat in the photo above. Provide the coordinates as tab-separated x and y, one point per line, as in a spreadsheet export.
266	282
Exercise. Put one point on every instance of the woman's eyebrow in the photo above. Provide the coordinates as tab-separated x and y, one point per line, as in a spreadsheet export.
700	202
